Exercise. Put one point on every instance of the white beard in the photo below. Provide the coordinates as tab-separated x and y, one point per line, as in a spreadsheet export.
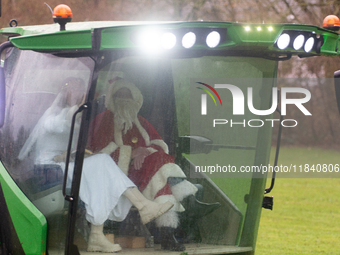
125	113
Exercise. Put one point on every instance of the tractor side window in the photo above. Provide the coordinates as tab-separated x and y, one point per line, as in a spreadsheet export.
42	92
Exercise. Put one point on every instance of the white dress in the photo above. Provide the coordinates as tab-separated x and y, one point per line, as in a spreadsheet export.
102	182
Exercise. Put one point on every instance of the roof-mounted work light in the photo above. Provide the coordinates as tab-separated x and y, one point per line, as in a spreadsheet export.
158	39
283	41
188	40
213	39
299	41
309	44
168	41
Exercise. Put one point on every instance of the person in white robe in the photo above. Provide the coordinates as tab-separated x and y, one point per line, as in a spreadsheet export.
105	190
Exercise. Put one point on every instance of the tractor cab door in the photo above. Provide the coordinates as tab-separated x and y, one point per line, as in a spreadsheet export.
37	87
172	106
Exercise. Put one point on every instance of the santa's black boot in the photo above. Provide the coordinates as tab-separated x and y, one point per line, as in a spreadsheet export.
168	240
189	194
197	209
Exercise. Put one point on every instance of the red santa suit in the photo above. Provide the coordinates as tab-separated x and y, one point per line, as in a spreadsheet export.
152	178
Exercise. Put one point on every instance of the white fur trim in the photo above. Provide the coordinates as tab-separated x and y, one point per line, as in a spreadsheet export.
110	148
124	158
152	150
161	144
143	132
118	135
178	207
168	219
160	178
183	189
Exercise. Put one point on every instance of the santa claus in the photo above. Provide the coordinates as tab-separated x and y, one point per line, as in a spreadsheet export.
142	155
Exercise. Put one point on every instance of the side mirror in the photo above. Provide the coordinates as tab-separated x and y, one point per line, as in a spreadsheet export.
194	144
2	96
337	87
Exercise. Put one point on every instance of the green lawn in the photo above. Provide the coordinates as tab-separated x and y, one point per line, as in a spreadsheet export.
306	214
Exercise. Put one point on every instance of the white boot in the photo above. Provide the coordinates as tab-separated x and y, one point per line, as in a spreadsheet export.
98	241
148	210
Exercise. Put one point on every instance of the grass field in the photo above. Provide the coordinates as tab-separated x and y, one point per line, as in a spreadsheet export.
306	214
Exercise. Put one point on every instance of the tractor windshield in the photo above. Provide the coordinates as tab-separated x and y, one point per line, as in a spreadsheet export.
140	101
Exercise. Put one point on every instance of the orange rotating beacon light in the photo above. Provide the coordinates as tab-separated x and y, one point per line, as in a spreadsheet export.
62	14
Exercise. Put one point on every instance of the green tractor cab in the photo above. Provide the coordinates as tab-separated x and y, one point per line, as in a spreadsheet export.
171	63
